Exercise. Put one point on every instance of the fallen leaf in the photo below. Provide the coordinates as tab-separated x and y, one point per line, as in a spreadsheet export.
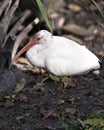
61	22
26	115
19	118
53	15
95	122
66	81
35	70
23	61
47	112
71	100
8	103
61	102
38	70
21	97
89	38
54	78
74	7
20	86
72	111
42	71
81	122
78	30
38	86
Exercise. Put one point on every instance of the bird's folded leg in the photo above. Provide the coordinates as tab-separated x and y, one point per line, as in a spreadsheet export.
59	91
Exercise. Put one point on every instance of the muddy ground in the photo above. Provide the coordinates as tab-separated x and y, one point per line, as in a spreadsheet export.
81	97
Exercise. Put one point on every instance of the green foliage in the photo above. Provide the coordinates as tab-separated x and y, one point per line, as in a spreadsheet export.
64	124
95	122
44	14
73	124
97	115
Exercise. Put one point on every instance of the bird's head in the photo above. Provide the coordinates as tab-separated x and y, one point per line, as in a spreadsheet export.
42	37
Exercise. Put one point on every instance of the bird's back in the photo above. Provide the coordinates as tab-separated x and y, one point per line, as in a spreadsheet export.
66	57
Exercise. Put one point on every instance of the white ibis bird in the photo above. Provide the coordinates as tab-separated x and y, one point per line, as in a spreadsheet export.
59	56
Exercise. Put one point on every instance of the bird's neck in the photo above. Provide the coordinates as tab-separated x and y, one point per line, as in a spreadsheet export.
43	47
37	54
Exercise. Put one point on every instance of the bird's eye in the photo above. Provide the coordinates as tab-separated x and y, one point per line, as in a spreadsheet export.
39	38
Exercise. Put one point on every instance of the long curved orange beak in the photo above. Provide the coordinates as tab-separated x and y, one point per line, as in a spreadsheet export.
24	49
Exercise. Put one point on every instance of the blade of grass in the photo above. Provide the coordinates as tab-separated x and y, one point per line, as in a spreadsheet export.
85	2
44	14
97	6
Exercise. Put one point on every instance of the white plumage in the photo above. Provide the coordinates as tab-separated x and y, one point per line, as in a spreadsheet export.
61	56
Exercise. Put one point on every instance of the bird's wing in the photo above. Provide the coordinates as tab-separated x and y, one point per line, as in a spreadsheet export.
70	59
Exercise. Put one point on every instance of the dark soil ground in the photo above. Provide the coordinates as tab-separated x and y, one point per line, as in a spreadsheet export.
25	109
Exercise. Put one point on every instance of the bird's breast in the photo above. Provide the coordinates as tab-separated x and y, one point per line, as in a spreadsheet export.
36	56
